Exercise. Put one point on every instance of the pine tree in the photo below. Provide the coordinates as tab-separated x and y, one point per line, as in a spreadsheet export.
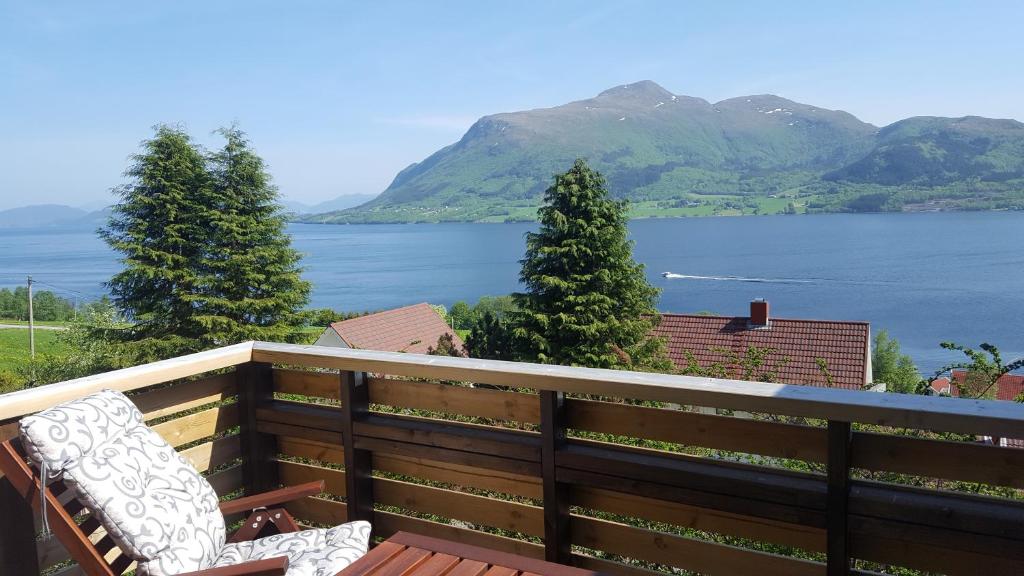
160	229
587	302
253	288
206	258
492	337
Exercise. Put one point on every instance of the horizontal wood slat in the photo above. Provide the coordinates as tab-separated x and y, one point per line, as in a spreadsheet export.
468	476
318	510
185	395
306	383
487	440
460	506
740	489
693	429
294	473
922	555
481	402
700	556
939	459
704	519
197	426
209	455
311	449
385	524
226	481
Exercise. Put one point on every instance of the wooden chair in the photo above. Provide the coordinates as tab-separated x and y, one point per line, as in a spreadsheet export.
73	527
95	460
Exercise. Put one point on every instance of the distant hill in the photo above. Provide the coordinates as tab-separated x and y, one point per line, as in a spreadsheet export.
339	203
938	151
674	154
39	215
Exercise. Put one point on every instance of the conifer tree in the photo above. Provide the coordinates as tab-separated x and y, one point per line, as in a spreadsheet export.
160	229
206	258
253	289
587	302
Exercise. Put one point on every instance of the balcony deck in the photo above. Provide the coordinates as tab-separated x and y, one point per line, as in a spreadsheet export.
595	468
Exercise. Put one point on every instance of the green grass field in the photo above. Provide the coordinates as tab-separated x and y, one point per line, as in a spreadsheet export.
14	346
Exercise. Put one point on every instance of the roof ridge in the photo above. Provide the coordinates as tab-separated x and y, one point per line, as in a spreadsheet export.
771	318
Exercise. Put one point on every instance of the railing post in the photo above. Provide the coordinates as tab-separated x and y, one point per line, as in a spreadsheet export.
256	390
839	439
557	539
17	533
355	404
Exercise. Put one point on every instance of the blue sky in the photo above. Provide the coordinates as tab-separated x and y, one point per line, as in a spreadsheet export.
339	96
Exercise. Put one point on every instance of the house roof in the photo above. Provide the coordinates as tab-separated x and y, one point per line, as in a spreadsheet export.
411	329
797	345
1008	386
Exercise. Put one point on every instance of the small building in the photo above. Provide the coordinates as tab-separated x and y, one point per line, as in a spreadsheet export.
1008	386
799	349
411	329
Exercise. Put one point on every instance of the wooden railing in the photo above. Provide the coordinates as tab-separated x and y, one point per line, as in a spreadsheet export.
603	469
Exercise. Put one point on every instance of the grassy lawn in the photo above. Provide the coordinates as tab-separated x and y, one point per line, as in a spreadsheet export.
14	352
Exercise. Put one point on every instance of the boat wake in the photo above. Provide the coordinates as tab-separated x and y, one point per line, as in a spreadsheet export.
674	276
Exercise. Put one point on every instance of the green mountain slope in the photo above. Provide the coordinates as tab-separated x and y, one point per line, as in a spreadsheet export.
937	151
663	151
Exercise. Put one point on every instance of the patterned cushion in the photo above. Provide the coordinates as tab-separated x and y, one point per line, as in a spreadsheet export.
150	499
66	432
310	552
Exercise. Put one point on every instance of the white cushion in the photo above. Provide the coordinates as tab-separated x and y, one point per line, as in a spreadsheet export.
157	508
67	431
152	502
323	552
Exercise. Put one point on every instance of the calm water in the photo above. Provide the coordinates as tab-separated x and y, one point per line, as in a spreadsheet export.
923	277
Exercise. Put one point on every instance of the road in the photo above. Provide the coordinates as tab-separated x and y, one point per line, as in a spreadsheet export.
25	327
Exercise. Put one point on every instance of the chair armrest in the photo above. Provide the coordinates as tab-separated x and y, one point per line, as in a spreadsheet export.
277	566
272	498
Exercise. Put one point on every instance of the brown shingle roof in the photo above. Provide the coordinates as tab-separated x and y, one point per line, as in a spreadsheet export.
410	329
843	346
1008	386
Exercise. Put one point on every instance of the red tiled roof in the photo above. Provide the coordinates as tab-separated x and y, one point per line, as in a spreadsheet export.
1008	387
797	344
410	329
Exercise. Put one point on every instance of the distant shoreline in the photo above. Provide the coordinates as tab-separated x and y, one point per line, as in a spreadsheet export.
663	217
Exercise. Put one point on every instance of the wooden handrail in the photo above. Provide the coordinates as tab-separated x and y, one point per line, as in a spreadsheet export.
988	417
31	400
922	412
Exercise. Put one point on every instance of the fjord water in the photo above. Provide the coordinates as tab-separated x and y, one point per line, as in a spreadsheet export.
923	277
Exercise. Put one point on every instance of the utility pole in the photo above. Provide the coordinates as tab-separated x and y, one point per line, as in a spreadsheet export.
31	322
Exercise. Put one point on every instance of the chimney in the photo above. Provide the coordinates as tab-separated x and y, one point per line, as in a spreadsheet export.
759	313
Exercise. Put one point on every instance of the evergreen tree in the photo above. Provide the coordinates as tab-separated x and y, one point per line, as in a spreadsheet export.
492	338
252	287
206	259
587	302
446	347
161	230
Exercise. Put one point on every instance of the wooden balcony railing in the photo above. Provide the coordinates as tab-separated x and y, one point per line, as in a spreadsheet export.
602	469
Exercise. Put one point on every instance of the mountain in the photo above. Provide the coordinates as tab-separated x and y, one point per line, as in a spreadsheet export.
677	155
938	151
39	215
339	203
